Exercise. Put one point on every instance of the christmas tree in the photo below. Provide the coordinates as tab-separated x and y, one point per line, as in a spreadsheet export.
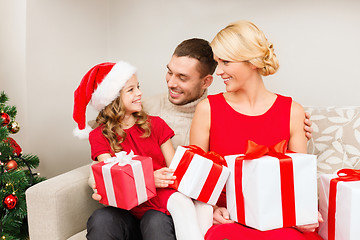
15	176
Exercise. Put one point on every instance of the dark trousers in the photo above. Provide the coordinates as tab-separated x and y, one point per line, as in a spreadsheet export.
115	223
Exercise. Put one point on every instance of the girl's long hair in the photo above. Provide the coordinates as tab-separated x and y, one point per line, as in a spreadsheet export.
111	117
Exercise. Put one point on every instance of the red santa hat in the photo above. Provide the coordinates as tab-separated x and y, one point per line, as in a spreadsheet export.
100	86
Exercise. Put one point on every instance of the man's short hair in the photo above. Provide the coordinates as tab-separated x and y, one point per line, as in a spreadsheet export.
199	49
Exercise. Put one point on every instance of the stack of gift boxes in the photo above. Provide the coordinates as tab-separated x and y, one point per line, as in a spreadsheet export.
266	188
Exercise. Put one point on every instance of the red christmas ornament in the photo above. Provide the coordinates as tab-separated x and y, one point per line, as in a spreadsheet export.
11	165
14	145
10	201
6	119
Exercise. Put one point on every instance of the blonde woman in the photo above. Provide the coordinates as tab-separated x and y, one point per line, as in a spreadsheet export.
247	111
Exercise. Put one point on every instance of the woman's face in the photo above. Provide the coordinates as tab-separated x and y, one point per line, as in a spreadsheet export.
234	74
131	96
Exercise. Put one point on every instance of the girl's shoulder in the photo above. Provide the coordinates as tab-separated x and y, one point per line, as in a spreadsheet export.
155	120
96	132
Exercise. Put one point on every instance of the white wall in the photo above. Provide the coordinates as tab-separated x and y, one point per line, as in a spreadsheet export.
12	61
47	46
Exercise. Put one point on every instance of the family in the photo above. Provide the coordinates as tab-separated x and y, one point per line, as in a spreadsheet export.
241	55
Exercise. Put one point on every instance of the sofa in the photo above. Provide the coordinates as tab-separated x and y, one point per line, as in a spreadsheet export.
58	208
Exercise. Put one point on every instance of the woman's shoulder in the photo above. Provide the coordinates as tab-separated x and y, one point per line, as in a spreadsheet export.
297	110
204	105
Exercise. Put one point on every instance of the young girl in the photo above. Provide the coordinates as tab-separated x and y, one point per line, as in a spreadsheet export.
124	126
247	111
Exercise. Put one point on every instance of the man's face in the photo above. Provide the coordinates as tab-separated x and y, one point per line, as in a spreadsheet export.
183	80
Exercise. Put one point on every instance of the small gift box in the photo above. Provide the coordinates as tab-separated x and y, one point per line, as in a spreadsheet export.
125	181
267	189
199	175
339	203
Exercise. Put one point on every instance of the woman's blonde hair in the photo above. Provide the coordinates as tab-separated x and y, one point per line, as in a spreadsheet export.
111	118
244	41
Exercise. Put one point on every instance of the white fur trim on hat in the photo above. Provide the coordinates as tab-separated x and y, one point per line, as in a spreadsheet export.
82	134
109	89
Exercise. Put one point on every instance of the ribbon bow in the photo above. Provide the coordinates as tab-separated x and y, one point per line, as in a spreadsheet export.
121	158
255	150
213	156
278	150
344	175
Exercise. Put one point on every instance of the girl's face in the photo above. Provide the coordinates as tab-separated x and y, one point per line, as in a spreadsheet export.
234	74
131	96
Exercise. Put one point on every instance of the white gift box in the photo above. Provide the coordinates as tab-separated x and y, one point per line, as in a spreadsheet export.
261	186
198	172
347	215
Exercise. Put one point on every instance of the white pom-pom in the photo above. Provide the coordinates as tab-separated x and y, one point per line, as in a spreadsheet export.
82	134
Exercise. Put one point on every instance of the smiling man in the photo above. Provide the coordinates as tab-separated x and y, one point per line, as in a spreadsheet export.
188	77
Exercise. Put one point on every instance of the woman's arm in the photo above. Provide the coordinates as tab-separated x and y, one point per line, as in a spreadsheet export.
298	140
298	143
200	126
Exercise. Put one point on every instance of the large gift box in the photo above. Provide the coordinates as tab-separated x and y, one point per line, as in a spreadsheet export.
268	189
339	202
199	175
125	181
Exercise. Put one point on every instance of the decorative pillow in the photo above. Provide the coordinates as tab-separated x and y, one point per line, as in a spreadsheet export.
336	137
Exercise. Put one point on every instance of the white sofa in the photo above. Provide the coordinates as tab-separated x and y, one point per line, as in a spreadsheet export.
58	208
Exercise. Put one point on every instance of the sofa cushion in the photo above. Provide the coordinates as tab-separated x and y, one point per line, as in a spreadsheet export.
336	137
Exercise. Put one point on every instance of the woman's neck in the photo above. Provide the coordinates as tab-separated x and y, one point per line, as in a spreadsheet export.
252	99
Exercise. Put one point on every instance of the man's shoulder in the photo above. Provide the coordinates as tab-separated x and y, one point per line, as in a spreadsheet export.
153	104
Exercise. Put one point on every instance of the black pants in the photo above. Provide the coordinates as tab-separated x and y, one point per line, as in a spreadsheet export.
115	223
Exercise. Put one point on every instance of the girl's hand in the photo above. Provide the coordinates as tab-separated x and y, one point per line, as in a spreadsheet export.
95	195
221	215
310	227
162	179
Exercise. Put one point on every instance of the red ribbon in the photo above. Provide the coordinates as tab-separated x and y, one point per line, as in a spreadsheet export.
345	175
215	170
254	151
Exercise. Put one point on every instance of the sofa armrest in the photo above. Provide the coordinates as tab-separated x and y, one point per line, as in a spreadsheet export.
60	207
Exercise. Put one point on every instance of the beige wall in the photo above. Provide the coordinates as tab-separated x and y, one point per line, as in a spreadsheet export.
47	46
12	61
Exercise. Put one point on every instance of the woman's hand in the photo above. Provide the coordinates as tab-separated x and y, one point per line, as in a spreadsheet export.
310	227
162	177
221	215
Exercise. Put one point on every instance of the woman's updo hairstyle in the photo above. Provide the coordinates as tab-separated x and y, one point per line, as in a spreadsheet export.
244	41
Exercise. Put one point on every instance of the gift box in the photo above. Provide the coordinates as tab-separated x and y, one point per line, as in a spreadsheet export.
199	175
125	181
268	189
339	203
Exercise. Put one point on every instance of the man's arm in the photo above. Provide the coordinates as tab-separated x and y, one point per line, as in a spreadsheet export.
308	129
